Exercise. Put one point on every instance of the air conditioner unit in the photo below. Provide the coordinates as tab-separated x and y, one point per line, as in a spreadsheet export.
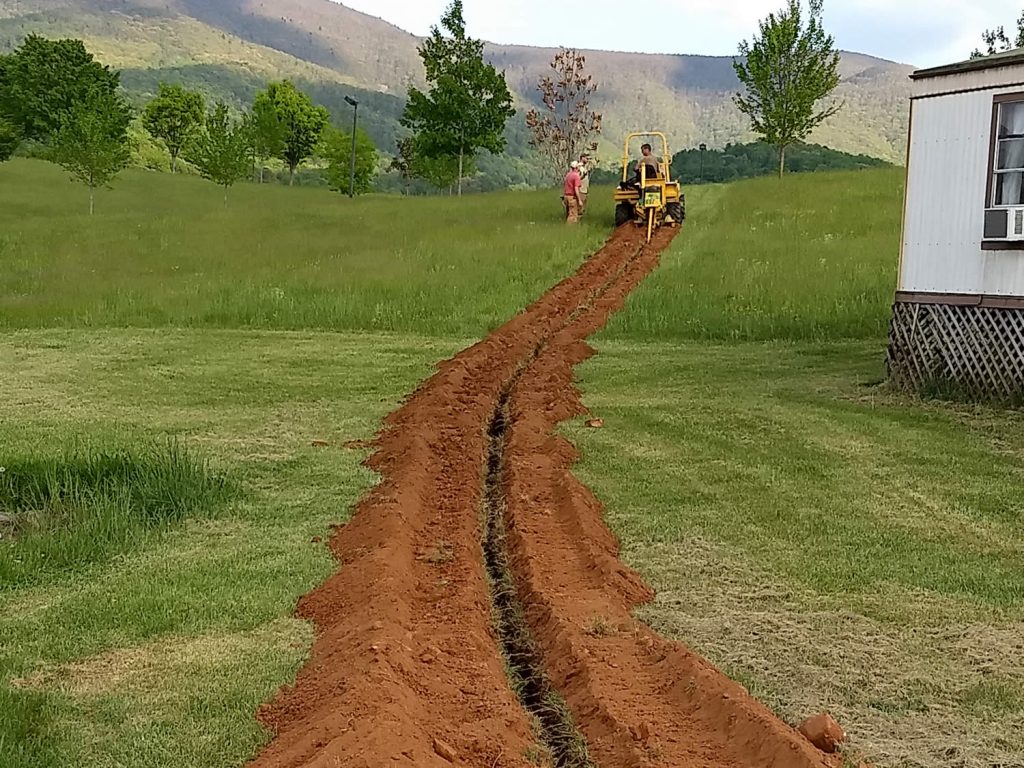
1015	224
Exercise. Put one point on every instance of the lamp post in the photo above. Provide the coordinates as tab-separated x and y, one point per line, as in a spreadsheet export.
352	170
703	148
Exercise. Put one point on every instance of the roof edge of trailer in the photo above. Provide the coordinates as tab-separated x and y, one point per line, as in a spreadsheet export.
1004	59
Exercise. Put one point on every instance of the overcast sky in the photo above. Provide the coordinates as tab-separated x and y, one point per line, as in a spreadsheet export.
920	32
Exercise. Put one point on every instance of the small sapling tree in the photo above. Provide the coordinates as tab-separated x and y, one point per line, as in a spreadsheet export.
91	141
266	132
337	151
468	104
787	70
563	129
222	150
174	117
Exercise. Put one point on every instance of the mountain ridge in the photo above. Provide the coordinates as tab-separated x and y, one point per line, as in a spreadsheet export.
229	46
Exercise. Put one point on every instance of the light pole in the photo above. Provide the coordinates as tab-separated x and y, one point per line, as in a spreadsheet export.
703	149
352	170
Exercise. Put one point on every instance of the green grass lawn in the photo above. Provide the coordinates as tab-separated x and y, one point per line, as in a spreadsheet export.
159	655
813	258
167	251
829	544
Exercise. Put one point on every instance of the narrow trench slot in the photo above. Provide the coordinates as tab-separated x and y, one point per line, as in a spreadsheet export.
557	732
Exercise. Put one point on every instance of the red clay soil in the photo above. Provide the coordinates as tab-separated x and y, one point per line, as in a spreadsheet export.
406	670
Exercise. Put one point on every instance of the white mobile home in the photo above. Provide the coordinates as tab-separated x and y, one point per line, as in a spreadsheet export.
958	319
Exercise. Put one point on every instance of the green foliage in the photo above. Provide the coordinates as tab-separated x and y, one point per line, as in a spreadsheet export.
787	70
92	140
43	80
337	150
744	161
997	41
441	172
266	131
300	122
174	117
468	104
222	150
147	152
10	138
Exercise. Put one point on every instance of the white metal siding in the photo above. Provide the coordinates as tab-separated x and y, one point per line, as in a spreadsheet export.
999	77
946	183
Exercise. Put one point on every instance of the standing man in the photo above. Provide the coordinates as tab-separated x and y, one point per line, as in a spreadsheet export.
571	193
584	169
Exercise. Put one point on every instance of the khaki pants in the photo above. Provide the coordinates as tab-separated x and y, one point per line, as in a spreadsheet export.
583	202
572	210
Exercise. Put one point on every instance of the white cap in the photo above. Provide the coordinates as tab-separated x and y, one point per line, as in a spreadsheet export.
574	164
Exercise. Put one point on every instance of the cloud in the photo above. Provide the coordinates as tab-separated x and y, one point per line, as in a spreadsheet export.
921	32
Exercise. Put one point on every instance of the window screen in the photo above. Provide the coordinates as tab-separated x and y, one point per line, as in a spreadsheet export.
1008	184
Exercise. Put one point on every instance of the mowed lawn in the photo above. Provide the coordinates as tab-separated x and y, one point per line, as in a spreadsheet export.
832	545
146	600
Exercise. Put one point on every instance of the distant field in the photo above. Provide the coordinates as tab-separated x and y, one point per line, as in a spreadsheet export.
165	250
812	257
830	545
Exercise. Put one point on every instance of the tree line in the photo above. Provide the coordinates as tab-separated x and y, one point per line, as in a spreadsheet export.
55	96
71	109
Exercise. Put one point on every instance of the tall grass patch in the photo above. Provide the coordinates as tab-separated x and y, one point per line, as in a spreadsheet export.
167	251
86	504
809	257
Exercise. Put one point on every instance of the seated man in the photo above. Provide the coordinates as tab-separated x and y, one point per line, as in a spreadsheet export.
647	158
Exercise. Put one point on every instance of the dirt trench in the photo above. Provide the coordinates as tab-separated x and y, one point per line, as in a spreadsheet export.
480	615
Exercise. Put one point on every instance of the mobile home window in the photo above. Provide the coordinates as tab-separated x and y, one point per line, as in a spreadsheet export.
1008	165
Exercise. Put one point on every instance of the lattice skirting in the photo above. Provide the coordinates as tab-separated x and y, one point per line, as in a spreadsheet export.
973	351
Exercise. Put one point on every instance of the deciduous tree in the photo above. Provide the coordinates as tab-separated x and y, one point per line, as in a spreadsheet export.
441	172
563	129
10	138
43	80
301	124
337	151
91	141
174	117
787	70
266	131
468	103
222	150
997	41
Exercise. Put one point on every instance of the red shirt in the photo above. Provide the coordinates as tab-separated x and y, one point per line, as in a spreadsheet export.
572	183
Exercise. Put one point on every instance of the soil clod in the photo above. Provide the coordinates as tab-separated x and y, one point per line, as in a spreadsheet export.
445	751
823	732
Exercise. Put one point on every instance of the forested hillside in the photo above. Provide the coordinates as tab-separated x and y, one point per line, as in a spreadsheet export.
230	48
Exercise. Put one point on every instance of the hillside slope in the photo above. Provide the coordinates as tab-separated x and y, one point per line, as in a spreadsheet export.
231	46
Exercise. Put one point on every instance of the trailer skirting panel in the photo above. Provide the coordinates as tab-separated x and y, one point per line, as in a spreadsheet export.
967	350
